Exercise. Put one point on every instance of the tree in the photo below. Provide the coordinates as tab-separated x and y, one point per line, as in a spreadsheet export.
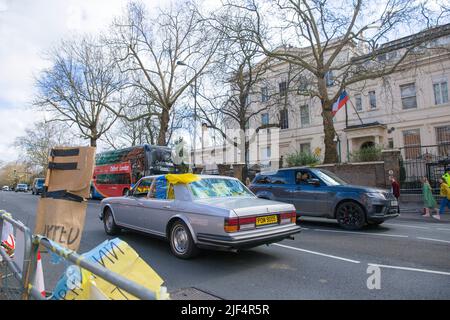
39	140
149	48
238	79
82	81
337	44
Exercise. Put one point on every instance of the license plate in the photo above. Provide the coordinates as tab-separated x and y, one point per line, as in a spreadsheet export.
260	221
394	203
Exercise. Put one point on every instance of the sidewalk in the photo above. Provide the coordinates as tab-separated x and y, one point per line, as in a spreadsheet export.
414	210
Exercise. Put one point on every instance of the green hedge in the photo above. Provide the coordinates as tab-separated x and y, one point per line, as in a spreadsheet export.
301	159
367	154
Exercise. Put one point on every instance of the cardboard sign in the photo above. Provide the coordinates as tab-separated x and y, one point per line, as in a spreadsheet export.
61	210
115	255
61	221
71	169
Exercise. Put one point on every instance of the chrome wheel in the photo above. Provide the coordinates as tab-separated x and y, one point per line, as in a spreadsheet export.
109	223
180	239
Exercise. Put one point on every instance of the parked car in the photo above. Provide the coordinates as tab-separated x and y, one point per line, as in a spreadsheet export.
320	193
193	212
21	187
5	188
37	186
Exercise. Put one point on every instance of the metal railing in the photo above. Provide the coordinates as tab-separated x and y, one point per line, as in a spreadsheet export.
423	161
14	277
116	279
17	285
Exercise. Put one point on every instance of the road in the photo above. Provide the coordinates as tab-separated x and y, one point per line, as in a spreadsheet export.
323	262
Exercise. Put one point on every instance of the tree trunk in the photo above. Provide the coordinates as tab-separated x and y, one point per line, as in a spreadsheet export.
164	127
93	142
331	155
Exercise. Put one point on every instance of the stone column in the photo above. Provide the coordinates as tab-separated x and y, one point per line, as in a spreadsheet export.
391	160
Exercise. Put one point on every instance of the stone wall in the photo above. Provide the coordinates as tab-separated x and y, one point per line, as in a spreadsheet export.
369	174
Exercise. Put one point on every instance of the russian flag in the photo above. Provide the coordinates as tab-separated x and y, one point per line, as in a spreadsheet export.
343	98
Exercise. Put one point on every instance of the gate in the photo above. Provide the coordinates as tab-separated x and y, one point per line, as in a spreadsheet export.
429	161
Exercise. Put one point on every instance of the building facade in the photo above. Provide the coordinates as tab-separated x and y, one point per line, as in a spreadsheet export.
406	109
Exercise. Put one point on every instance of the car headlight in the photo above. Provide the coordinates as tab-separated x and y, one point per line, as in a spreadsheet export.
376	195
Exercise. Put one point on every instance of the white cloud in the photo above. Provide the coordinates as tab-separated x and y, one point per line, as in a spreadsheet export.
27	29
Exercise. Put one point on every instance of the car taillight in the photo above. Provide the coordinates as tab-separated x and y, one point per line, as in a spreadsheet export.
288	217
236	224
231	224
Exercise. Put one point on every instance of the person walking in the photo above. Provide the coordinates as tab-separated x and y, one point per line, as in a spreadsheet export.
428	199
395	190
446	176
445	193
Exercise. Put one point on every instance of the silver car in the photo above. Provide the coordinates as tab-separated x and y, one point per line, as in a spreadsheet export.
213	212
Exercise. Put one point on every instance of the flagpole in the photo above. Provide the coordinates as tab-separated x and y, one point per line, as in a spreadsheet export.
346	116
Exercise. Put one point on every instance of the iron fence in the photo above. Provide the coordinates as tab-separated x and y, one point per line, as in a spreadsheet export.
418	161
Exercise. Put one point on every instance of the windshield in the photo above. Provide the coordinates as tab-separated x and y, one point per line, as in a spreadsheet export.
329	177
40	182
218	187
21	185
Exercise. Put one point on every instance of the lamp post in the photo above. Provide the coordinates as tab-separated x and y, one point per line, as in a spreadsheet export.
181	63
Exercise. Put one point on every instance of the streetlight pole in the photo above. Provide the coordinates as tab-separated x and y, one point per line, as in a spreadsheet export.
181	63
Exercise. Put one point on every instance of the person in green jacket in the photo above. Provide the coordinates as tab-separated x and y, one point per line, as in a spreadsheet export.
428	199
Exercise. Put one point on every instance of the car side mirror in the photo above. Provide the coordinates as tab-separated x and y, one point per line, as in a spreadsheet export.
314	182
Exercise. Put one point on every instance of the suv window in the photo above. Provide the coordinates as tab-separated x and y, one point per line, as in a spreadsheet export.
303	176
263	180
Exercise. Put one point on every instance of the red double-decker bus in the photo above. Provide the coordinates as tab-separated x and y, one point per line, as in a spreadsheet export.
117	171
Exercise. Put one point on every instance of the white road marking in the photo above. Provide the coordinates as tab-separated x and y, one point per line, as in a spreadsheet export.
430	239
315	252
409	269
364	233
443	229
404	225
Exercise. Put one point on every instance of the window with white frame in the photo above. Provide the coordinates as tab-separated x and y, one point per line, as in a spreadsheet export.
329	78
440	89
408	95
284	120
304	116
264	119
372	100
358	102
411	141
266	153
305	147
283	88
264	94
443	140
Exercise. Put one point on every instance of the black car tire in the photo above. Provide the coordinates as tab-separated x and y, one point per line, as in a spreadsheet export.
32	192
109	224
350	215
179	232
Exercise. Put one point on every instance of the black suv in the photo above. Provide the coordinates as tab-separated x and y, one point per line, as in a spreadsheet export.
317	192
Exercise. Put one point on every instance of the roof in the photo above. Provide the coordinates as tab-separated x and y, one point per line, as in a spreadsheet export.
365	125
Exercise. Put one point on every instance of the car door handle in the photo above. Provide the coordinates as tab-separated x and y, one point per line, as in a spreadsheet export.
166	207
